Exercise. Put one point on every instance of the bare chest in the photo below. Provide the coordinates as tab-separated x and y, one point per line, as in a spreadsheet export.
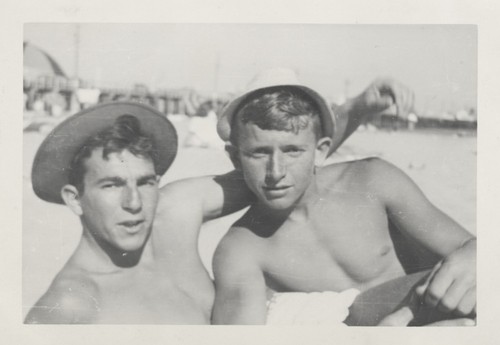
340	246
151	297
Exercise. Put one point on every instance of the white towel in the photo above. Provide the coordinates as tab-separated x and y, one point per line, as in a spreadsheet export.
314	308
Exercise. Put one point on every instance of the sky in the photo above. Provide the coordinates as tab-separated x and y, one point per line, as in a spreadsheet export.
439	62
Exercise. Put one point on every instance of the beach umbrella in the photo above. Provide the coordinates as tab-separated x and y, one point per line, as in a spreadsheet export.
37	62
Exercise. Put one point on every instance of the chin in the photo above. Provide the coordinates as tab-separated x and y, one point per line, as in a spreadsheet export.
278	204
128	248
132	245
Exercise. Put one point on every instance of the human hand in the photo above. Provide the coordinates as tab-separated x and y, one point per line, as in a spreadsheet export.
385	95
403	316
451	286
400	317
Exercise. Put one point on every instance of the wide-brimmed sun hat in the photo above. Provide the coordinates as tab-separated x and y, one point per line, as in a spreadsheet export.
272	78
53	159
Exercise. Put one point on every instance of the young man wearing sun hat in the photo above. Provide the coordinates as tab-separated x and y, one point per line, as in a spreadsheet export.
137	261
325	233
104	164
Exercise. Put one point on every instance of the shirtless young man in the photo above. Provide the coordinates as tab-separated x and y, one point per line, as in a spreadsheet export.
104	164
321	228
126	270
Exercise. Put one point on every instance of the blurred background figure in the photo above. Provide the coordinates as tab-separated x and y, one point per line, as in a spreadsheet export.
202	130
412	121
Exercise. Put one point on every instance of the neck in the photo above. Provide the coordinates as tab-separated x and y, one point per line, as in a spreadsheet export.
307	200
97	256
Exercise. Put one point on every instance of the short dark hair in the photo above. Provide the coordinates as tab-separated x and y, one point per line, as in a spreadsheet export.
124	134
278	108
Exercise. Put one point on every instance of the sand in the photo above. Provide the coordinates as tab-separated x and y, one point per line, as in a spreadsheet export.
443	164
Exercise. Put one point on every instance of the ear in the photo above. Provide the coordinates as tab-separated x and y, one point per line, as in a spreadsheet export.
322	148
232	151
71	198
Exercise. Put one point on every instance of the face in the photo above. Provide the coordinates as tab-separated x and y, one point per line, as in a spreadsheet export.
119	199
278	166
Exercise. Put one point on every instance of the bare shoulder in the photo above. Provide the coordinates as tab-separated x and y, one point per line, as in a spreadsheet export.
237	250
71	298
369	173
387	180
239	240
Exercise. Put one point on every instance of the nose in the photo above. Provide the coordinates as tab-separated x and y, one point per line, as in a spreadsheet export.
132	201
276	169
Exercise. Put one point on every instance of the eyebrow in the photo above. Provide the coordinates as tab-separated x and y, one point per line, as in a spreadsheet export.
259	147
116	179
146	178
110	179
293	146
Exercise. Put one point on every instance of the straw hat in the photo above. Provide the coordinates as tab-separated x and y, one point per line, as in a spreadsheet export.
52	161
269	79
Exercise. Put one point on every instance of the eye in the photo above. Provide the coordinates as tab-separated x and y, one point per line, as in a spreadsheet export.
258	153
152	182
293	151
149	182
109	185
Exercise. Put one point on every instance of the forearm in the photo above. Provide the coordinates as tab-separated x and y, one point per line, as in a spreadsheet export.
381	95
238	310
349	118
371	306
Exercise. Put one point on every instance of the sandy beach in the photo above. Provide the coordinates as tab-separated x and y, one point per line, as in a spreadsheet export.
443	164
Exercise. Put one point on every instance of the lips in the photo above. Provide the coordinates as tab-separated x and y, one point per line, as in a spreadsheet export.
276	191
132	226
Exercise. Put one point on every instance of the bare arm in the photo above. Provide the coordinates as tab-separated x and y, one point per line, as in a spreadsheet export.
452	284
208	197
240	296
382	95
410	210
